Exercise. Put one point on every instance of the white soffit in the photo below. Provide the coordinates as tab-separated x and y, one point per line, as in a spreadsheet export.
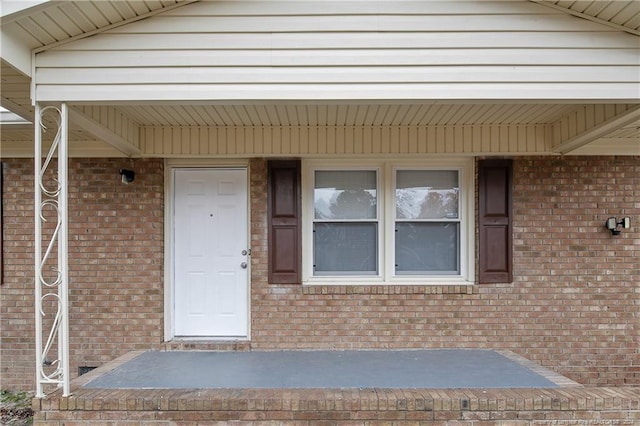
621	14
345	114
9	7
53	22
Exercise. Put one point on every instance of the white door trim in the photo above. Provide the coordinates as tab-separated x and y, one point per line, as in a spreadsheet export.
169	166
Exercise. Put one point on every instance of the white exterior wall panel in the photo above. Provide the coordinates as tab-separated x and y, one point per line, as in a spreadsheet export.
218	51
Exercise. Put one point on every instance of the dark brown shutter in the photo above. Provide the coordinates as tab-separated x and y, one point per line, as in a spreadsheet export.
285	251
494	221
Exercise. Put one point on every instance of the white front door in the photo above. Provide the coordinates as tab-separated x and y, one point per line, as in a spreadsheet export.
210	253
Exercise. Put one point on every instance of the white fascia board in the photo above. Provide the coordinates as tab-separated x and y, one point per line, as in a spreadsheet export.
548	92
15	52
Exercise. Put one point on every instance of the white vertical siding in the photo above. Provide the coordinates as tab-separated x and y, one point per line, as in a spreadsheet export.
343	141
243	50
77	148
114	120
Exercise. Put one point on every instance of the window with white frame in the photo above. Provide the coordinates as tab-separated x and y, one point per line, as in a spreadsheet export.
427	222
387	222
345	222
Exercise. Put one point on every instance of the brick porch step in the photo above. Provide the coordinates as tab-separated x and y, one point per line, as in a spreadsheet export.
204	345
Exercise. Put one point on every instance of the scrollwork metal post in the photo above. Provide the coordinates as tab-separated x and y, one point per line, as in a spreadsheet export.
51	286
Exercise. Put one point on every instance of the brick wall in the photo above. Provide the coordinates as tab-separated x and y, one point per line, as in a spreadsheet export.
582	284
115	261
574	304
17	350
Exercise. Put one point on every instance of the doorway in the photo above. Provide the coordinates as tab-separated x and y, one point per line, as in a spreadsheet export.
210	253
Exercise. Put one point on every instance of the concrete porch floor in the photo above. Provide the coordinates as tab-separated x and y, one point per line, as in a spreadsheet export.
434	369
191	388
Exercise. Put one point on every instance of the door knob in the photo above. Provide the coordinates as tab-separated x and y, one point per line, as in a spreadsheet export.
243	265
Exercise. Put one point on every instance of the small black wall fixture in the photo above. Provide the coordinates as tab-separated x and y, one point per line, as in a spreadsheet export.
127	175
614	225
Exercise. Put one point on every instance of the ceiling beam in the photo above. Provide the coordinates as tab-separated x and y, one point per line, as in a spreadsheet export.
15	52
598	131
104	133
25	112
610	146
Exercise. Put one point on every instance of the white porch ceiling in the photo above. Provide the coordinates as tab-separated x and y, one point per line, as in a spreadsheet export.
622	139
346	114
352	114
56	22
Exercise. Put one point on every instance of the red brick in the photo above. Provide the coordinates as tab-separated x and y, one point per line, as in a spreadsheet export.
572	306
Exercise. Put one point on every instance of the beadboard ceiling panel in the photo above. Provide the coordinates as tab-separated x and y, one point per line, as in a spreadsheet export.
364	114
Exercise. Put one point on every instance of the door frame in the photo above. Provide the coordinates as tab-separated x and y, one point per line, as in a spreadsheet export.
169	250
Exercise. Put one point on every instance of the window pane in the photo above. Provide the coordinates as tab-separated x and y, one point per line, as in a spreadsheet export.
427	248
345	194
427	194
345	248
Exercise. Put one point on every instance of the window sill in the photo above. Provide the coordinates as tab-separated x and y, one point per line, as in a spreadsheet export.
311	289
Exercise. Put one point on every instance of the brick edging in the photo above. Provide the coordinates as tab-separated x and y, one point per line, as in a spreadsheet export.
192	405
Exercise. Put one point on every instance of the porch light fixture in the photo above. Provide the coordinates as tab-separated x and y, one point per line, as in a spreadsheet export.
127	175
614	225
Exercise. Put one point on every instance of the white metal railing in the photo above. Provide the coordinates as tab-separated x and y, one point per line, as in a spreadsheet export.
51	251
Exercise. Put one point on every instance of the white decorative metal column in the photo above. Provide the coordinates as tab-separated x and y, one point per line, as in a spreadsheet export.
51	250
